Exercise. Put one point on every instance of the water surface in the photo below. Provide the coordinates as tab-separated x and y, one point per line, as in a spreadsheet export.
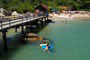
71	42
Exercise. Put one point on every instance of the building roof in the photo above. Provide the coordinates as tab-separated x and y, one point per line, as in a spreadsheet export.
42	7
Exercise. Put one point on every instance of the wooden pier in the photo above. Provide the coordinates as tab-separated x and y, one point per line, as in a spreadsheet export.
8	23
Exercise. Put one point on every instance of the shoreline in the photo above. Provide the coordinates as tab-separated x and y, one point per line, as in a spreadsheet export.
72	15
68	19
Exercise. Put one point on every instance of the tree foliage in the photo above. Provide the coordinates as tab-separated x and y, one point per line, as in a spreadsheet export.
29	5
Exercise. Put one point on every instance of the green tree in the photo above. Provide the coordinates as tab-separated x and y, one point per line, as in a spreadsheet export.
29	5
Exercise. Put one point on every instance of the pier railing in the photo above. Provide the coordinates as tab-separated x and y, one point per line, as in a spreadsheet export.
7	23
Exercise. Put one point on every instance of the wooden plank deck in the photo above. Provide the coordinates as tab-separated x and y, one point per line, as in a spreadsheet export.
4	24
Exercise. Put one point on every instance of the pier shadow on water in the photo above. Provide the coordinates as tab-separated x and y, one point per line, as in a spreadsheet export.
16	43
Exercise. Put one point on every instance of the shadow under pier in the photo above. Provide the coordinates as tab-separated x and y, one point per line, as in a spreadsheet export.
15	45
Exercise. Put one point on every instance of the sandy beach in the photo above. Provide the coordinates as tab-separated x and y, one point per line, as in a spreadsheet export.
70	16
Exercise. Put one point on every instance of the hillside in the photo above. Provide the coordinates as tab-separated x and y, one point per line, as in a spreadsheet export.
29	5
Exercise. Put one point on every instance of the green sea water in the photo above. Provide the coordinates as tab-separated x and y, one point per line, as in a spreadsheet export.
71	41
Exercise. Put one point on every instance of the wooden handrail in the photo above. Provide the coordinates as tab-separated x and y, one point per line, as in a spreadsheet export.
8	22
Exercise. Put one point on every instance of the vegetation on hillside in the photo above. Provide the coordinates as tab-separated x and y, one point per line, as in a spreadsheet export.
29	5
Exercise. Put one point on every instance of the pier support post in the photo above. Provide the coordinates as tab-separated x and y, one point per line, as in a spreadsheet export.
16	29
22	29
31	27
5	40
23	34
41	21
47	18
44	20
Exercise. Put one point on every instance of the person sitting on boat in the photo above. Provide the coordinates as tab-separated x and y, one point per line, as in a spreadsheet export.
47	47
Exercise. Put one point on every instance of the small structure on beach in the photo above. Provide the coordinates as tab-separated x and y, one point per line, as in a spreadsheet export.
14	13
1	15
2	11
41	10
